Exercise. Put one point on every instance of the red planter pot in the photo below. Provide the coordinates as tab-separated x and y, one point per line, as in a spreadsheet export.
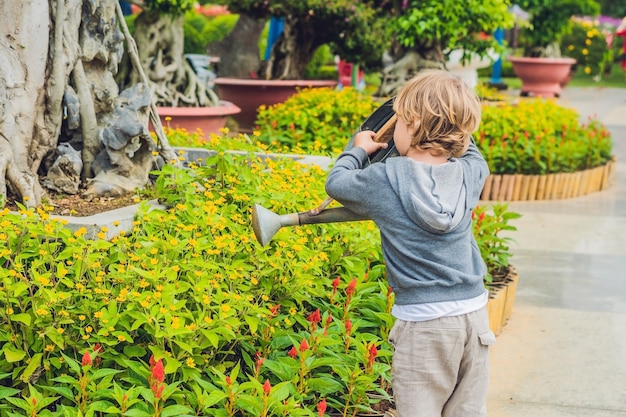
208	119
249	94
541	77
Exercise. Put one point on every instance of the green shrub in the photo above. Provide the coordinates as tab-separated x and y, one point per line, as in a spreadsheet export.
536	136
586	42
315	120
201	30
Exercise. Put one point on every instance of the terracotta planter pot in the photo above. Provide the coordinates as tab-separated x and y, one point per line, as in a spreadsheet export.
208	119
249	94
541	77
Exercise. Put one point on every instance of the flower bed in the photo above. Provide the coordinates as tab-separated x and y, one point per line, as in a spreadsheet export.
187	315
537	149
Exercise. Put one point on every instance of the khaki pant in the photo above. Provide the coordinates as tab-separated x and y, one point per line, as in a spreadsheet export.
441	367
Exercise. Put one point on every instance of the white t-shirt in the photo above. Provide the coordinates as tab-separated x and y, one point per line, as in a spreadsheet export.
431	311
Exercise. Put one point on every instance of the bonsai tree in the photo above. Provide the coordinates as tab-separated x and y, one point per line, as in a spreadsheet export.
64	124
353	29
160	42
549	21
425	31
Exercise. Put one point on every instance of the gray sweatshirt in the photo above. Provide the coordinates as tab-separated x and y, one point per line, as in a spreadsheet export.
424	215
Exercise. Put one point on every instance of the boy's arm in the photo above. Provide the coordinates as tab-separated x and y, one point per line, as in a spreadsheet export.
347	182
476	169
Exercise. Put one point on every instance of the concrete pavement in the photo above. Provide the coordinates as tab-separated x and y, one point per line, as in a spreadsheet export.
563	352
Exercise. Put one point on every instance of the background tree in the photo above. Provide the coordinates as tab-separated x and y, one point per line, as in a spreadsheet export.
64	125
549	21
425	31
354	29
416	33
158	32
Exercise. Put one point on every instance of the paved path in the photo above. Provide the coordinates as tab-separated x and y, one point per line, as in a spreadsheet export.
563	353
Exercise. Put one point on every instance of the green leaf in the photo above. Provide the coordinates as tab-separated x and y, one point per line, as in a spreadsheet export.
101	406
101	373
12	354
63	391
253	323
134	412
176	410
134	351
7	392
22	318
34	363
56	337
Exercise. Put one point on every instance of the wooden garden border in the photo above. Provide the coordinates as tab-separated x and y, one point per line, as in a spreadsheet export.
518	187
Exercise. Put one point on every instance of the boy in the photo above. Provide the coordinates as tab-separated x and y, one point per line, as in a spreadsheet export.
422	202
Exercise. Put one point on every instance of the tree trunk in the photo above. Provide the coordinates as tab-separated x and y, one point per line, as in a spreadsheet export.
61	117
239	53
403	64
160	42
293	50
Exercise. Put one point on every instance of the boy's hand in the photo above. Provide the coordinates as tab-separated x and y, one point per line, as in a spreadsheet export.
365	140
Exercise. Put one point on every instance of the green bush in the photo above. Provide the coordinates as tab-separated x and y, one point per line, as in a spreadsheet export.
315	120
537	136
201	30
586	42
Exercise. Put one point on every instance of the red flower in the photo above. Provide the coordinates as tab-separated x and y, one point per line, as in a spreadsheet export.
97	348
336	282
304	345
157	389
351	287
228	381
158	372
267	387
348	325
371	354
274	309
259	362
314	318
321	407
293	352
86	359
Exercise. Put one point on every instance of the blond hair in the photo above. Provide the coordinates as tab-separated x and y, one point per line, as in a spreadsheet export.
441	109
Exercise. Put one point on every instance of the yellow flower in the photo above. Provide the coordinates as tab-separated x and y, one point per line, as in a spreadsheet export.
190	363
587	70
121	338
585	51
60	330
97	314
225	308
